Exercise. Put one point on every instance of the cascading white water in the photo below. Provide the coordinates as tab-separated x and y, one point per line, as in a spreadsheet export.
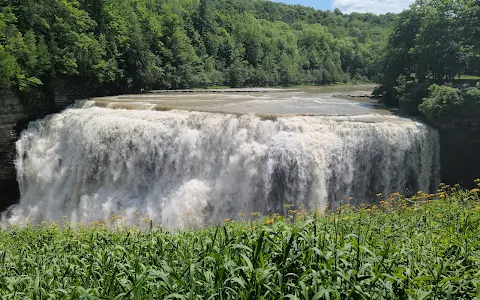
91	163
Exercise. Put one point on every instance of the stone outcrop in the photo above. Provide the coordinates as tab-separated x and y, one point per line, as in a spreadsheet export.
460	150
15	112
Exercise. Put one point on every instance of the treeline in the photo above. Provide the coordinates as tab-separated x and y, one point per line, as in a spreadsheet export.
432	44
132	45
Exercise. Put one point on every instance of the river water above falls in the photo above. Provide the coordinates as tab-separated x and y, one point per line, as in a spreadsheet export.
215	155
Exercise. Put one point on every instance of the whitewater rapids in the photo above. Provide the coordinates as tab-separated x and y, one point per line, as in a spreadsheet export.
177	167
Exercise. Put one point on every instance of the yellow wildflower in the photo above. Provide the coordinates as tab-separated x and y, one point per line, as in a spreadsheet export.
269	221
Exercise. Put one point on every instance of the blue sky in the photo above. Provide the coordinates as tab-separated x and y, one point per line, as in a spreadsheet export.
348	6
318	4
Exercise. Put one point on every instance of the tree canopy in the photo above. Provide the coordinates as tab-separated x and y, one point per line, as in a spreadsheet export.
150	44
433	42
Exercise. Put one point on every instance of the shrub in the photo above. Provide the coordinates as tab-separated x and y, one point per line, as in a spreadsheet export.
472	96
441	101
410	94
471	108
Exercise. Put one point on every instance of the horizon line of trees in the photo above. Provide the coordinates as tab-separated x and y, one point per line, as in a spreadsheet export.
130	45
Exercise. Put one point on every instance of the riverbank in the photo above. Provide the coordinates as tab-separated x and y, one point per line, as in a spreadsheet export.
421	247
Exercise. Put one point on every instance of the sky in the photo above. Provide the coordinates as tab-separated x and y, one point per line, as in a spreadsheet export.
348	6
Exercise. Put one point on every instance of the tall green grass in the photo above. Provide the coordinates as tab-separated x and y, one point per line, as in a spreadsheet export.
425	247
470	77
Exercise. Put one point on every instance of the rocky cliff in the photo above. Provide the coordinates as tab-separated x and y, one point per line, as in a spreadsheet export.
15	112
460	150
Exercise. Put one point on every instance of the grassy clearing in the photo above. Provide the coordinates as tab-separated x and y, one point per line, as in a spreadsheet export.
470	77
426	247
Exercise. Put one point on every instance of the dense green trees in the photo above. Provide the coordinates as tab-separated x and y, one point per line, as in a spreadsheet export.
433	42
130	45
147	44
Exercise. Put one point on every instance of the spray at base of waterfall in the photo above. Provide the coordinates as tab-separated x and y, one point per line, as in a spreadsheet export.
175	166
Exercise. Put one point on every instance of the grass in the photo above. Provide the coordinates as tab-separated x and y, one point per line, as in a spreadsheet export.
470	77
424	247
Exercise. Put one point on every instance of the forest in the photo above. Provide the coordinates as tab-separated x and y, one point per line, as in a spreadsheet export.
134	45
119	46
434	44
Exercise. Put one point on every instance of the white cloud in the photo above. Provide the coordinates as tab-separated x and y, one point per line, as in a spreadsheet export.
372	6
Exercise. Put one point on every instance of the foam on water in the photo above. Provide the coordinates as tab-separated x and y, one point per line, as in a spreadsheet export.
91	163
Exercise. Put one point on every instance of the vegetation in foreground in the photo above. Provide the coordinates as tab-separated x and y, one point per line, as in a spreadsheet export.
424	247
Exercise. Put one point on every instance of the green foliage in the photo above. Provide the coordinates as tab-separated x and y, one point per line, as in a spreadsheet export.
411	93
424	247
472	103
8	67
439	46
472	96
441	101
432	41
149	44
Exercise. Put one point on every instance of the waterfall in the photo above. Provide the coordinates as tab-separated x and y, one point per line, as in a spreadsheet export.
93	163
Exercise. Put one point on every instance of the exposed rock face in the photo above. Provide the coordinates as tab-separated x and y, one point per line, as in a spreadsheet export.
8	183
460	150
15	113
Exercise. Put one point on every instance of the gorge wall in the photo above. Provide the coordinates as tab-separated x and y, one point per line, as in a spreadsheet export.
460	150
11	114
16	111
